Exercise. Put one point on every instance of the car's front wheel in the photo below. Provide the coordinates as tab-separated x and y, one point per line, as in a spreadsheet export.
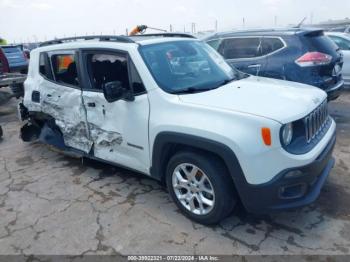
200	187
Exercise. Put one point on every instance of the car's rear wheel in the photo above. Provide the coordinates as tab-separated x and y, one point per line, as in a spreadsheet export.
200	187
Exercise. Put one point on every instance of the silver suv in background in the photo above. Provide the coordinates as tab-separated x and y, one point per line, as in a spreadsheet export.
343	41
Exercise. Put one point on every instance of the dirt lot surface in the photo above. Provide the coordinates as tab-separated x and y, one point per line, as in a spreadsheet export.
54	204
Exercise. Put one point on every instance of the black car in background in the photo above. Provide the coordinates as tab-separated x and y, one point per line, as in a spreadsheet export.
294	54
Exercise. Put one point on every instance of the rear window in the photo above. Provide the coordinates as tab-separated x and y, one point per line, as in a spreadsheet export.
317	41
12	49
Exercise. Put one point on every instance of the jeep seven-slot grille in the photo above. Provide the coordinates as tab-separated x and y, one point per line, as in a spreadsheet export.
315	121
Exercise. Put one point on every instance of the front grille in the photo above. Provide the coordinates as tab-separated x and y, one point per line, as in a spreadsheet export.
315	121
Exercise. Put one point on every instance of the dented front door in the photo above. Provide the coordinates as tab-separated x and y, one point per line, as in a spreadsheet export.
118	130
61	98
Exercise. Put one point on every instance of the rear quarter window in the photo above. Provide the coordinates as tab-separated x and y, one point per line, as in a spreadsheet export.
270	45
236	48
44	66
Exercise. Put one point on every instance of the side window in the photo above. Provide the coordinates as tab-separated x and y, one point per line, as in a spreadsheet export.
104	67
65	69
270	45
214	43
235	48
137	84
44	66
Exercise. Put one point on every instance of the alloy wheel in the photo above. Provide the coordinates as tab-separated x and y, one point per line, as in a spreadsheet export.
193	189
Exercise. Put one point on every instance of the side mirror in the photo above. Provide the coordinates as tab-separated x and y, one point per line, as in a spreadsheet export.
115	90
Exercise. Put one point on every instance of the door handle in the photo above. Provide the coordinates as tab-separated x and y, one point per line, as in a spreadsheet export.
91	104
254	66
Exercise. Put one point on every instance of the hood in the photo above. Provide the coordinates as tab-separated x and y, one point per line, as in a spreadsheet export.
282	101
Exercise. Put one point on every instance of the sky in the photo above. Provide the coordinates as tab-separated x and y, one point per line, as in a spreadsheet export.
38	20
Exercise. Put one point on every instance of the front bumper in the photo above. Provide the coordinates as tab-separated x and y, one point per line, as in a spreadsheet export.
290	192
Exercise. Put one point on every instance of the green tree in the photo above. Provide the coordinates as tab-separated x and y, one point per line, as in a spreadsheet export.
3	41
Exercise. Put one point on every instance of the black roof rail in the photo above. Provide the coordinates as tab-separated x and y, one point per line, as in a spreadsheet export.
112	38
164	35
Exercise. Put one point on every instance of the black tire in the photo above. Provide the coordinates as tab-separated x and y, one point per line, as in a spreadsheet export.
225	194
1	133
17	90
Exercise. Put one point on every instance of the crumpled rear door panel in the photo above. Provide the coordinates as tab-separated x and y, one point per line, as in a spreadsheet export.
65	105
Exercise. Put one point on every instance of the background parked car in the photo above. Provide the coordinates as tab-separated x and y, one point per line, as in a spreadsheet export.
17	60
294	54
343	41
341	29
13	68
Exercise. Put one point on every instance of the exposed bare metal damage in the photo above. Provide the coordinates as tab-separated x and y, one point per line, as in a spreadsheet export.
74	135
65	106
70	117
104	137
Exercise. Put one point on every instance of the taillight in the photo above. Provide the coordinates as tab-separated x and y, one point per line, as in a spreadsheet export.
313	59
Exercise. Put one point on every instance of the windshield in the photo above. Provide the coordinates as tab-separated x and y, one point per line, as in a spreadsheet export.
183	66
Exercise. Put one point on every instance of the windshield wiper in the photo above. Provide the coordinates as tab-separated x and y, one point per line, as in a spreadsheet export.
191	90
194	89
225	82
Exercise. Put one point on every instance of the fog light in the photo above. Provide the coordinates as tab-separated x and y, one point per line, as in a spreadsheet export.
293	191
293	174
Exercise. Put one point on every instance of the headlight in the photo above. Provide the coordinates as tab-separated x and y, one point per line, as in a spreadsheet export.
287	134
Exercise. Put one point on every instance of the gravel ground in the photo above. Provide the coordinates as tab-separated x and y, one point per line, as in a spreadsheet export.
53	204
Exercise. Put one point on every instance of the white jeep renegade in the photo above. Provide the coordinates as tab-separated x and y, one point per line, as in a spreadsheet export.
170	107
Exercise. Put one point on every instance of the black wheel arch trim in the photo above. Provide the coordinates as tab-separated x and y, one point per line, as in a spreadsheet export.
163	139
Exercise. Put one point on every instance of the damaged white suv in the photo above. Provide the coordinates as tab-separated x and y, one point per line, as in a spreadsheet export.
170	107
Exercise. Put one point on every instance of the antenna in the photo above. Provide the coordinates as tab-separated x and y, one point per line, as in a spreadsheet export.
301	22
